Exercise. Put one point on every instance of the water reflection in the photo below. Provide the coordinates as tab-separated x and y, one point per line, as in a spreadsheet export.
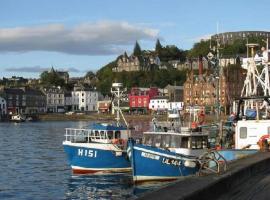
34	166
116	186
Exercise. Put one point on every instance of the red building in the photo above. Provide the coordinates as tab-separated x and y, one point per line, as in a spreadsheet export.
139	98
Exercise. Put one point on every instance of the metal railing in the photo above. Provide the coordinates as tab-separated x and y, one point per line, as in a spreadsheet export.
84	135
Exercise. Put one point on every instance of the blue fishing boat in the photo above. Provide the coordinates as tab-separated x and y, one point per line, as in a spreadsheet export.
168	152
99	148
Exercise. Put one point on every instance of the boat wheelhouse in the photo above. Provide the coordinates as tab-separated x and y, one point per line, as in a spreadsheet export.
252	130
186	142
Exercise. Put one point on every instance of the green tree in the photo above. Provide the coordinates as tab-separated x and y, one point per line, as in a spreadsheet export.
51	79
158	47
137	50
200	48
172	52
105	78
90	75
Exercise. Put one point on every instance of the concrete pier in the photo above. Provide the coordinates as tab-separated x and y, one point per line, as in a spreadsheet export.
219	186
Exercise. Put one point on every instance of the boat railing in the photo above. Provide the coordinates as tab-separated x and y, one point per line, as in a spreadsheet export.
212	162
83	136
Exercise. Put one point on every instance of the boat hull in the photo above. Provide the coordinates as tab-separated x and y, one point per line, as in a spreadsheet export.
87	159
154	164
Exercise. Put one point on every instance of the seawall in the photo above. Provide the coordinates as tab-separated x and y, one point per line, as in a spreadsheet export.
213	186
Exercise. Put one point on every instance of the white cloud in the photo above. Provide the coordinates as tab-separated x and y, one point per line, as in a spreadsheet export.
100	38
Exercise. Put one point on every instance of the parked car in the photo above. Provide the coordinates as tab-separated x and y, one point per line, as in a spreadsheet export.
79	113
70	113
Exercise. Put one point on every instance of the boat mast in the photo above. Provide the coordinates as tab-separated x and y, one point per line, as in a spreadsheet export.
254	78
213	58
218	81
117	92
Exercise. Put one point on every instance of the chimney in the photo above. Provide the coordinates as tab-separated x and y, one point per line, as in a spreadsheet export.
200	65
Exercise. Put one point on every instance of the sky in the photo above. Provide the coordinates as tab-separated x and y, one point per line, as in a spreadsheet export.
83	35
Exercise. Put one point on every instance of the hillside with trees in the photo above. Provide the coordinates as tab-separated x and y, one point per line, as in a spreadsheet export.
168	75
226	50
155	77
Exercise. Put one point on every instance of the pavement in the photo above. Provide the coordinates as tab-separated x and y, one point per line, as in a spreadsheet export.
246	178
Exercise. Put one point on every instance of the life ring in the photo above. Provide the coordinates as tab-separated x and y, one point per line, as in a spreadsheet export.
194	125
118	141
115	141
263	142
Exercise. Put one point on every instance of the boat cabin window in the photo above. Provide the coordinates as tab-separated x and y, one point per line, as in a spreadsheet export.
110	134
165	141
97	136
157	141
268	130
243	132
147	139
102	135
117	134
198	142
175	141
184	142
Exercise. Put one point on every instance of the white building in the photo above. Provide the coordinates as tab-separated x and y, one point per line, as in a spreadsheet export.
68	101
55	97
84	99
159	104
3	107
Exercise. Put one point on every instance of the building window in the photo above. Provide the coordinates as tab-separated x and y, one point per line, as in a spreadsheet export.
268	130
82	100
243	132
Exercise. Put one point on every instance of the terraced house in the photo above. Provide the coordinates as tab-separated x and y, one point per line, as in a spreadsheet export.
85	99
55	99
24	100
3	107
200	90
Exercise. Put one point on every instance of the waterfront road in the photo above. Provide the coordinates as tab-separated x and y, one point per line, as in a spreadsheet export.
255	188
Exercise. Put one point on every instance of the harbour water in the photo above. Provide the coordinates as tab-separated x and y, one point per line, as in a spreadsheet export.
34	166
